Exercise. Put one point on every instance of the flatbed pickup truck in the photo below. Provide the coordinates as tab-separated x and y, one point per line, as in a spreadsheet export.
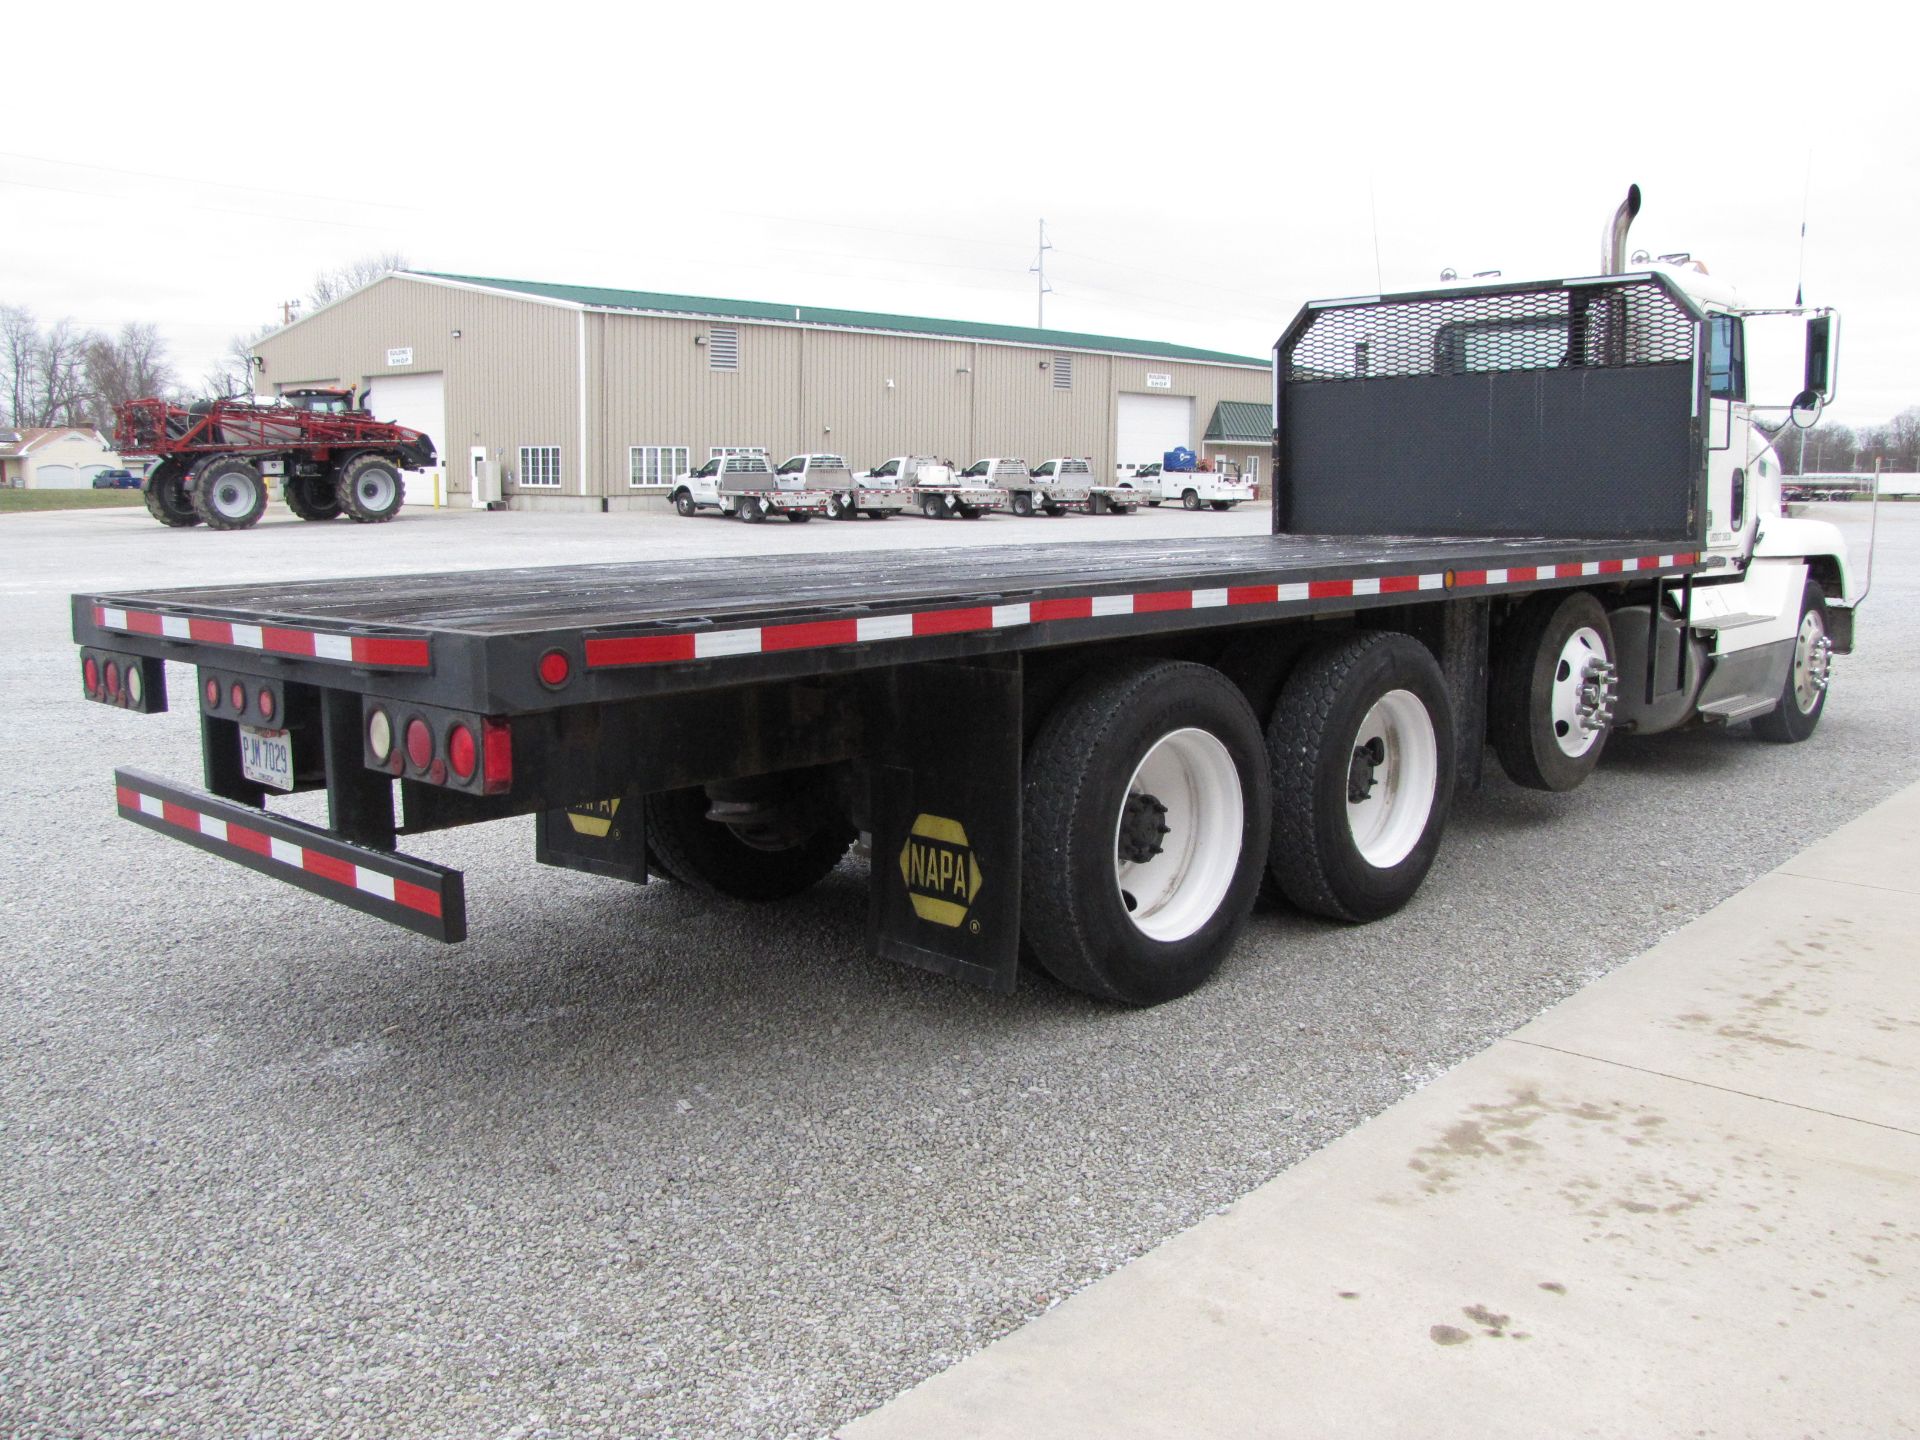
1088	755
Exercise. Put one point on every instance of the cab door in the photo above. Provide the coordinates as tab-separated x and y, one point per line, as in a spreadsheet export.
1730	511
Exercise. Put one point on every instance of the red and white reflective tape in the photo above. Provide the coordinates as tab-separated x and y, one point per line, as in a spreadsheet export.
378	652
616	651
293	856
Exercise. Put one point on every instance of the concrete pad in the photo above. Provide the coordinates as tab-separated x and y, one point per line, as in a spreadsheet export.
1619	1221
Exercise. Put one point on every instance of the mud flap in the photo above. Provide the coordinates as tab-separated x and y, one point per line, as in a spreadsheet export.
600	837
945	892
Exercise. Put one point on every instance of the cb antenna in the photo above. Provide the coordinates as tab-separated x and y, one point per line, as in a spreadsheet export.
1039	267
1800	280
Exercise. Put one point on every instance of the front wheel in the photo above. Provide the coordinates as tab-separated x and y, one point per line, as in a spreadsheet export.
228	493
1551	694
1362	754
1804	694
1145	826
684	503
370	489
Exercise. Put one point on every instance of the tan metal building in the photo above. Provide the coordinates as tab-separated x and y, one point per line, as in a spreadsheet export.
568	396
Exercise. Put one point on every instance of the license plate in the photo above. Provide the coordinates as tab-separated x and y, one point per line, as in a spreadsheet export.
266	757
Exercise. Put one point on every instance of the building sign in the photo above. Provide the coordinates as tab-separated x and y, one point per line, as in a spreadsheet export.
404	356
1154	382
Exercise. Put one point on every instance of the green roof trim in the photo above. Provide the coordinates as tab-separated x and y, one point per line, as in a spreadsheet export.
600	298
1237	420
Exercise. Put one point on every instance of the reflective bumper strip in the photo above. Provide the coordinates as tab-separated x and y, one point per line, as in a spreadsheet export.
373	652
399	888
617	651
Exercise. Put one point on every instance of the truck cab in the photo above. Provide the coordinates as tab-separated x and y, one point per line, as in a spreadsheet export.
721	484
849	496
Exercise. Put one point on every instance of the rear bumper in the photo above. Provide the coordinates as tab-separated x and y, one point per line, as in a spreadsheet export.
415	894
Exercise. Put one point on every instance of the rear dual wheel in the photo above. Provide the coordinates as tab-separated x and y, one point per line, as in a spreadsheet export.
1361	753
312	497
1145	820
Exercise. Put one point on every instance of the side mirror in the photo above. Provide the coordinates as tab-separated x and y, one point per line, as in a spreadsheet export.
1807	406
1820	358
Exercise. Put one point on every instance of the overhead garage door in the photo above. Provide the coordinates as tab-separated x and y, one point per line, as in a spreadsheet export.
1151	425
418	402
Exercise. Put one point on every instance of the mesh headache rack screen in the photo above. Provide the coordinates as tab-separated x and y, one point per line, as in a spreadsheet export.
1596	326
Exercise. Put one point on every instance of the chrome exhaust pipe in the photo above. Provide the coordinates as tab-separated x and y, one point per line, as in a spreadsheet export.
1613	257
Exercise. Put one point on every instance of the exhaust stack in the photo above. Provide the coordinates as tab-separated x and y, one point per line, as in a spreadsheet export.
1613	260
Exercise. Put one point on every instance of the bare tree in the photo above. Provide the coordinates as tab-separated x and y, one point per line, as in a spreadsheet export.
335	284
234	374
125	367
59	391
1903	440
19	351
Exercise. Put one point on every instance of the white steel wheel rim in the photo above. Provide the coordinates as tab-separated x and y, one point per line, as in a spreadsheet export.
1175	892
375	486
1570	732
232	497
1810	662
1398	733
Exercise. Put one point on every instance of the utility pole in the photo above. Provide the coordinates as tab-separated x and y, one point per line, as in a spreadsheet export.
1039	268
288	309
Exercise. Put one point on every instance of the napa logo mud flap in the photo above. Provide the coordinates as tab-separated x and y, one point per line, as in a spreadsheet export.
946	821
600	837
941	872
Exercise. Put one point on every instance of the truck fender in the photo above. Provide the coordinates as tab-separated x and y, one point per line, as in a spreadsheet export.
1819	543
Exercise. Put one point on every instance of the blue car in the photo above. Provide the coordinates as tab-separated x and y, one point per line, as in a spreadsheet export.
116	480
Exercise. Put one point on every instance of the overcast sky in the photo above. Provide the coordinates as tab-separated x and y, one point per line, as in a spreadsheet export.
1203	169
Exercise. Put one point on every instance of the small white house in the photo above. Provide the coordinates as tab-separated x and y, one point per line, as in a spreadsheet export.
59	458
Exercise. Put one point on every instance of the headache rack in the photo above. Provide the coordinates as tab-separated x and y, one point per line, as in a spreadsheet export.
1566	409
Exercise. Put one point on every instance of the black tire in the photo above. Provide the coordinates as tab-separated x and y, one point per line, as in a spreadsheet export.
311	497
841	507
707	856
878	514
683	502
1190	499
165	492
370	489
930	507
1022	502
1316	758
798	517
1081	777
753	510
1053	507
228	493
1804	694
970	512
1097	505
1551	673
1223	504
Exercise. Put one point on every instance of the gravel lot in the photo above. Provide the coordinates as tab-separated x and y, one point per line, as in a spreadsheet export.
630	1162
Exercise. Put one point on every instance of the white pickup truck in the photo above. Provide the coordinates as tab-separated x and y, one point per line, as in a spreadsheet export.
848	496
745	485
1220	487
1067	483
934	489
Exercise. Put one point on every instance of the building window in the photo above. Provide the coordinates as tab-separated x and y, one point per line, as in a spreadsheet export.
720	452
1251	472
649	465
723	348
540	467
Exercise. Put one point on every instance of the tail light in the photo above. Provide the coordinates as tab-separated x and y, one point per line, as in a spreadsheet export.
130	682
440	747
245	698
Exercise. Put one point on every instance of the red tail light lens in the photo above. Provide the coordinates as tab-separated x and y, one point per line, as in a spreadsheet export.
213	693
238	695
463	754
113	677
90	671
497	756
419	743
555	669
266	704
